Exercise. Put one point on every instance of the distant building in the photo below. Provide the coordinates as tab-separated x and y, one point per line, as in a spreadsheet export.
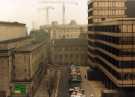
60	31
70	38
83	36
70	51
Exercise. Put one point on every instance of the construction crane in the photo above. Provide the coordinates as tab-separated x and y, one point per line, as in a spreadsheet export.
47	12
63	6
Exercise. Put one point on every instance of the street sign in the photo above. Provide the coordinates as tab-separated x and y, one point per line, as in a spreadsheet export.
20	89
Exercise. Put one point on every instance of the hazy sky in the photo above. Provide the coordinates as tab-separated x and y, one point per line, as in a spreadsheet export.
28	11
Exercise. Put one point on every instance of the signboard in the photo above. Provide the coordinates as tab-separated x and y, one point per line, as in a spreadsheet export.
20	89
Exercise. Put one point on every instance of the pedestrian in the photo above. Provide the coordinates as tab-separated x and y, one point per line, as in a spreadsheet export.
27	95
85	76
49	92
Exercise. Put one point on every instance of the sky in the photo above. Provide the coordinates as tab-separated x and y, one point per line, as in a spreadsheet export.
32	13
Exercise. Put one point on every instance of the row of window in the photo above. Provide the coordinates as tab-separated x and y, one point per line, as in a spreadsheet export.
109	4
116	51
99	19
70	49
90	21
91	43
120	76
91	51
91	36
70	56
108	12
117	40
70	62
65	35
89	5
92	59
90	13
119	64
67	29
114	28
95	20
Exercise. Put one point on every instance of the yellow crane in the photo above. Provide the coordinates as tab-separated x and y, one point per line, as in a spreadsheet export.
63	6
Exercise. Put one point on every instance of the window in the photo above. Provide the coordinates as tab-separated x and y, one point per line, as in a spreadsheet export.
105	4
124	28
134	28
129	28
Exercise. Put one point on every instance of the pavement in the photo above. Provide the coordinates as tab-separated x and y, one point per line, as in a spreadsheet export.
91	87
42	90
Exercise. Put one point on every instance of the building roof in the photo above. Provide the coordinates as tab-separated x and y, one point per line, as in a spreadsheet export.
30	47
14	40
64	26
12	23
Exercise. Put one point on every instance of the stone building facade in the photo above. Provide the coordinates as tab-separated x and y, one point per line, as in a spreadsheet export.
29	66
19	56
59	31
64	43
70	51
6	61
12	35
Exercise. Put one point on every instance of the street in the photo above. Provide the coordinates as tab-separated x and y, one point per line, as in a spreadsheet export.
91	87
42	90
60	81
64	85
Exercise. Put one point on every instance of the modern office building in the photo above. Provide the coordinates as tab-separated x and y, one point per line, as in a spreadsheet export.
111	40
114	45
100	10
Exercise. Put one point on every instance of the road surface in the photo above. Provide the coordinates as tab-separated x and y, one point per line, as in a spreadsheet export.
62	82
64	85
42	90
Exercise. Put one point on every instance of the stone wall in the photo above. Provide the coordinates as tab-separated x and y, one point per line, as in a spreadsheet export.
5	74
